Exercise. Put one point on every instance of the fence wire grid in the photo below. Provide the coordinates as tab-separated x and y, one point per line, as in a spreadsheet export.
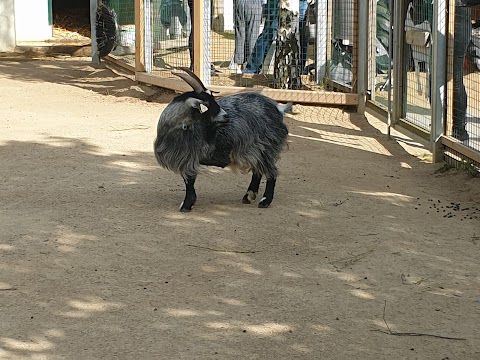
464	117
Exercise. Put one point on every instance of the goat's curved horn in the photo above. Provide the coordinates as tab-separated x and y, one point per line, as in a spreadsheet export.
197	87
193	75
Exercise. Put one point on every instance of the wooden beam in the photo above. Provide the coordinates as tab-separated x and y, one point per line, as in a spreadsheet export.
461	149
295	96
120	63
139	36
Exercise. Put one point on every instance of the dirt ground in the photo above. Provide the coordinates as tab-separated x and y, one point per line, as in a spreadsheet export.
365	253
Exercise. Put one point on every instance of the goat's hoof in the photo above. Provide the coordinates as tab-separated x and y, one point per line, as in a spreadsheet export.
184	208
264	203
249	197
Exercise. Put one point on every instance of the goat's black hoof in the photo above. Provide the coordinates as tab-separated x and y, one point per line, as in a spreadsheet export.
249	197
264	203
185	208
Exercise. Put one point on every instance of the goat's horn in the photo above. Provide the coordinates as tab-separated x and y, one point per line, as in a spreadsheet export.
193	75
198	88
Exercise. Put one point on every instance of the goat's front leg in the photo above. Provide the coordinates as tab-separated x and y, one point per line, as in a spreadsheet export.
190	195
252	190
269	191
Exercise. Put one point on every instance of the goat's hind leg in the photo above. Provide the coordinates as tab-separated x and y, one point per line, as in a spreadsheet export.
252	190
190	194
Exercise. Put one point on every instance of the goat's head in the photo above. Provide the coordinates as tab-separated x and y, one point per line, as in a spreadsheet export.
201	100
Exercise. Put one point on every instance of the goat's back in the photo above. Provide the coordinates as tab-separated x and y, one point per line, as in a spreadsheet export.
255	132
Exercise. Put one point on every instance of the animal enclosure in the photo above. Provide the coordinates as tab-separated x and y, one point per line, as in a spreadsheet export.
315	52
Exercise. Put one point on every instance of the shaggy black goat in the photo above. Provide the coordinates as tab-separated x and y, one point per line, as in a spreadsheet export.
244	131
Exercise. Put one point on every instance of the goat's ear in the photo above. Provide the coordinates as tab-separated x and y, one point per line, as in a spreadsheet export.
197	104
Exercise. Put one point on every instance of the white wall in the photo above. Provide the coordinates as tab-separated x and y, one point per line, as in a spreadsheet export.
31	20
7	26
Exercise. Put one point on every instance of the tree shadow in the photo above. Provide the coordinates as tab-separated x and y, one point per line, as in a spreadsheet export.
81	74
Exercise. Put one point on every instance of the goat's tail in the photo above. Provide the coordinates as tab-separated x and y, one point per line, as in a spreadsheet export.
283	108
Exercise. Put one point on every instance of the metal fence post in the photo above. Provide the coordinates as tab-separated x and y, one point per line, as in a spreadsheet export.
93	31
439	51
362	54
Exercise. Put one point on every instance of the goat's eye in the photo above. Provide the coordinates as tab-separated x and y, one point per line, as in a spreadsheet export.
203	108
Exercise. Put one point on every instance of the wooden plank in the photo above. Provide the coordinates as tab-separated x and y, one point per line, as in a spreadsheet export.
461	149
120	63
337	86
164	82
139	37
282	95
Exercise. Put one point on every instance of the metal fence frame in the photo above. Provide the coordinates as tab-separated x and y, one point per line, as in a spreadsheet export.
443	146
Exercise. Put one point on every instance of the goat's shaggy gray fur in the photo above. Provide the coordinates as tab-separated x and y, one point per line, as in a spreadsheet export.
244	131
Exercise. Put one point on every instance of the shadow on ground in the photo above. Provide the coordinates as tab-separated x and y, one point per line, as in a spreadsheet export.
96	261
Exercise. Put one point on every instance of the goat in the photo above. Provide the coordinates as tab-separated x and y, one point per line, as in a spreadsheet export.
420	53
243	131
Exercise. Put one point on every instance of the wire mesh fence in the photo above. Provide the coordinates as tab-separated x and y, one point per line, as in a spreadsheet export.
267	43
418	63
380	81
463	121
170	34
343	32
124	47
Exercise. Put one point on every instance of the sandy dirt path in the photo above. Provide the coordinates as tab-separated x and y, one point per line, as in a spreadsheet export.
96	262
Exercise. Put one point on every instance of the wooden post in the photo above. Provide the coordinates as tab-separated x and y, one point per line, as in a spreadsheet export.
139	37
197	28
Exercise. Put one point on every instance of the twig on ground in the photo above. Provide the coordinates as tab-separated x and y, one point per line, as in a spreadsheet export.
9	289
369	234
475	239
140	127
390	332
339	203
223	250
353	259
